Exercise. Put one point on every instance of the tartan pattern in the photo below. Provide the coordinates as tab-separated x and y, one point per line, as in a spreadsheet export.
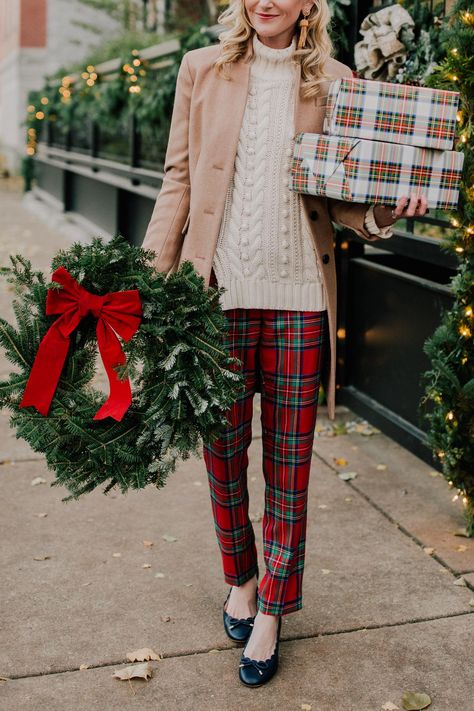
395	113
372	171
281	353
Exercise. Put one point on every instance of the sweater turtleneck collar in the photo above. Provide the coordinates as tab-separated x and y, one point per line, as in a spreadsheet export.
272	63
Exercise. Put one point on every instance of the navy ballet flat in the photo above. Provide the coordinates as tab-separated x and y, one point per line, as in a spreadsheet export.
238	628
253	672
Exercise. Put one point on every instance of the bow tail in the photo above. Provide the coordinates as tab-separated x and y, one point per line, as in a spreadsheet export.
111	352
46	369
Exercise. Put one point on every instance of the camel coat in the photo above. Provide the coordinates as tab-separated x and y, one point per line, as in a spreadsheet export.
199	162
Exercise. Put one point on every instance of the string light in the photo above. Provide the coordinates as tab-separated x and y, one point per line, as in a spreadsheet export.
465	331
90	76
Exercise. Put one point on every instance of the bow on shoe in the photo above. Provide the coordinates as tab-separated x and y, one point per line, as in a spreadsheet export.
260	666
244	621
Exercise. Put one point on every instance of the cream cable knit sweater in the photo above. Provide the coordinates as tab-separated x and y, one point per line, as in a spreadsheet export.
265	257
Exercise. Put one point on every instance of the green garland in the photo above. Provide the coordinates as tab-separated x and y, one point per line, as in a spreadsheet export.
183	379
449	384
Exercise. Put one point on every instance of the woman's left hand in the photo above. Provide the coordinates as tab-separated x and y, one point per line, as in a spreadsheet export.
413	206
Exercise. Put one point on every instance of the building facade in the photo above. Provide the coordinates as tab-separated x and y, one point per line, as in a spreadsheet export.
36	38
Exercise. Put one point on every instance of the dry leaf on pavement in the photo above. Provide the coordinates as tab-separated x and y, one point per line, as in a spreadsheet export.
142	655
148	544
346	476
414	701
341	462
38	480
139	671
168	538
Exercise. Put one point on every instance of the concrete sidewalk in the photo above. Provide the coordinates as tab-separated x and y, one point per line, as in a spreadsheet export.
383	609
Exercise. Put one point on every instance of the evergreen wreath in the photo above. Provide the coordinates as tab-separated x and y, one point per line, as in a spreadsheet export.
183	379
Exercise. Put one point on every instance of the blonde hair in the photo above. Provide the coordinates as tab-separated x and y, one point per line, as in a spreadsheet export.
312	58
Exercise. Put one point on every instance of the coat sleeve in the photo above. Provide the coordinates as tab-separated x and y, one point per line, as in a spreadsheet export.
165	232
350	214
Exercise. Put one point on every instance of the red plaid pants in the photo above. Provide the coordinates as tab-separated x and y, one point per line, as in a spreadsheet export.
281	353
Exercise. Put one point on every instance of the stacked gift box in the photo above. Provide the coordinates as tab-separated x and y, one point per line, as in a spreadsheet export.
382	141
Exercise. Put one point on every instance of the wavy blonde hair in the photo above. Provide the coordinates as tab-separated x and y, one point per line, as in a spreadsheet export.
312	58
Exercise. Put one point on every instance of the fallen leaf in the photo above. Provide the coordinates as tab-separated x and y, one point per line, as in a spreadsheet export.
84	666
459	581
41	515
38	480
306	707
462	532
148	544
461	548
214	651
322	506
159	575
348	498
143	655
5	461
471	602
341	462
116	555
41	557
188	585
433	473
325	571
346	476
414	701
381	467
142	671
168	538
4	678
146	565
197	483
428	550
84	585
165	618
388	706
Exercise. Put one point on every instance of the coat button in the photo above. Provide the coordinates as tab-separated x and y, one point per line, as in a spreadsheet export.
313	215
325	258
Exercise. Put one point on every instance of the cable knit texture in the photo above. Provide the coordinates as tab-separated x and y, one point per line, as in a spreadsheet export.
265	256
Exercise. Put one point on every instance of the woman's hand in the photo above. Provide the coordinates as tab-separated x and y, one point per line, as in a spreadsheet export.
413	206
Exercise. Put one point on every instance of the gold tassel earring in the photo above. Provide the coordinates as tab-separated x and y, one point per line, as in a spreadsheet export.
303	30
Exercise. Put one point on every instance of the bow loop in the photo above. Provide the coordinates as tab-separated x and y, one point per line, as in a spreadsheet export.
116	312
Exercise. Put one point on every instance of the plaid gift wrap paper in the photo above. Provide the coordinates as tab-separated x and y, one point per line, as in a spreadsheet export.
355	170
396	113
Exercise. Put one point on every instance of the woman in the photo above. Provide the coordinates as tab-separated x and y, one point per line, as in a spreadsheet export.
225	205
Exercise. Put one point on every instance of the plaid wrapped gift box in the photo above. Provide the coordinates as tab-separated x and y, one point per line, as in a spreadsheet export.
355	170
397	113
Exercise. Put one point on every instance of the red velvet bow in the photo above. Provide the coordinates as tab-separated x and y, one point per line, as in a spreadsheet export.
118	311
